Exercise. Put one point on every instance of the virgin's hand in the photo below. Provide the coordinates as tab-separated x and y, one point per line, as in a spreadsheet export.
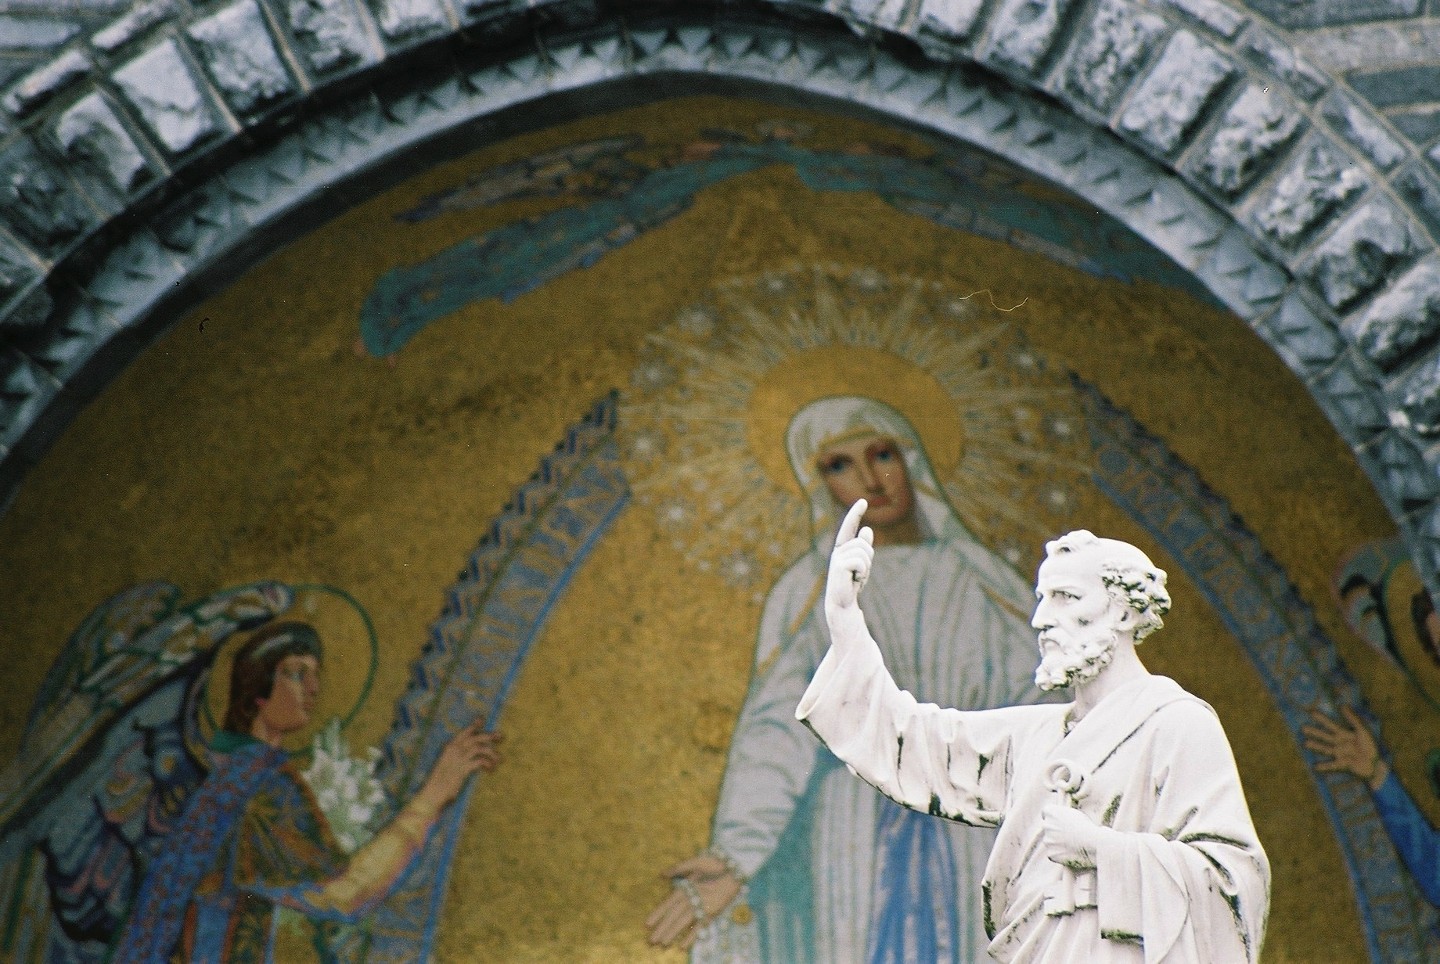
850	562
675	919
1070	838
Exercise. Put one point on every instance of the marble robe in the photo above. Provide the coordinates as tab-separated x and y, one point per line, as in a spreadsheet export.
1181	875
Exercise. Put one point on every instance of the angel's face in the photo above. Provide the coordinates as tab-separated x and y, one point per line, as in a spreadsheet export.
292	698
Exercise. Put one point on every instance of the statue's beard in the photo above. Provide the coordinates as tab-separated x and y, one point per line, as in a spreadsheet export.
1075	659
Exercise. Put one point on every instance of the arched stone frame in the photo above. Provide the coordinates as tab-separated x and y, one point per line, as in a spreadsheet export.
1193	123
1335	306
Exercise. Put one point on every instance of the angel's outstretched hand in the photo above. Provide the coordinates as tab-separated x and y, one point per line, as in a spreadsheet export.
1348	746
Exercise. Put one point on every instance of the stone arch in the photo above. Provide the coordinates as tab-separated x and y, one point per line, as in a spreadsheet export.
1195	124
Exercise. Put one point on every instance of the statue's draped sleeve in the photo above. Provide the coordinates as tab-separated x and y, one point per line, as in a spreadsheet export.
952	763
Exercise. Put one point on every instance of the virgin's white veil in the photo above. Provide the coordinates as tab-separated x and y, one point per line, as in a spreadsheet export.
828	420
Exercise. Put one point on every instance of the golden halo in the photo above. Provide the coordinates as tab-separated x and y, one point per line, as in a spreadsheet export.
1403	587
836	370
703	425
346	668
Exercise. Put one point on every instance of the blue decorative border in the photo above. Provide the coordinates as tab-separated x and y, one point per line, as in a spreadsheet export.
492	616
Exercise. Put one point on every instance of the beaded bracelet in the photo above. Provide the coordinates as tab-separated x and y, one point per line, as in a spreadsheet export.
687	887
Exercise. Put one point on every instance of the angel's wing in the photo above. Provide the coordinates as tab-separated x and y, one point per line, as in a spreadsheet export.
110	754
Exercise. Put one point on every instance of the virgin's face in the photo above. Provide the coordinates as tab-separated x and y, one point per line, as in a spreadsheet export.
869	467
292	699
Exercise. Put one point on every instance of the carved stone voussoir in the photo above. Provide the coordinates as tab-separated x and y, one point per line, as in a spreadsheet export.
1330	13
42	83
1355	124
91	134
1418	394
42	208
1306	341
168	96
1402	318
1321	178
1255	129
1348	392
1024	32
1119	38
1220	17
133	24
1419	186
1398	457
16	272
31	311
1170	99
241	57
949	20
1372	242
328	32
25	388
864	14
1280	59
407	19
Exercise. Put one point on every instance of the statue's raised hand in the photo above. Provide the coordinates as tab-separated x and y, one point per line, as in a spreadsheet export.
850	562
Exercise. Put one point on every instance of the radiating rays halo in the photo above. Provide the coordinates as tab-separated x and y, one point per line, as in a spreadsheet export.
703	422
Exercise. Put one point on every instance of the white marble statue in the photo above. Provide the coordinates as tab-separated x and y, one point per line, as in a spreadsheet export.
1123	830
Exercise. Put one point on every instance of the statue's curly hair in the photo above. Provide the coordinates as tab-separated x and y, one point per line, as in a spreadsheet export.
1141	588
1137	584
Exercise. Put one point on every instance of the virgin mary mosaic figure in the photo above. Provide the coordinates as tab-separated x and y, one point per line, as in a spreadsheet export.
806	863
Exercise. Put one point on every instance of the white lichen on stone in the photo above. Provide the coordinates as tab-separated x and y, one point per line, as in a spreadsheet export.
1175	92
241	57
161	87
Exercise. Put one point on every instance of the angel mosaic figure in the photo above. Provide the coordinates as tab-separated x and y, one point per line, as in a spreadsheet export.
1348	747
185	850
253	838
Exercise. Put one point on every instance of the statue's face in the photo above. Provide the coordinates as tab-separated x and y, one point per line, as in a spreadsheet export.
292	699
870	467
1077	618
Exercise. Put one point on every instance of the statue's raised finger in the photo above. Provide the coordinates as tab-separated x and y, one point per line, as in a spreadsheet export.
851	525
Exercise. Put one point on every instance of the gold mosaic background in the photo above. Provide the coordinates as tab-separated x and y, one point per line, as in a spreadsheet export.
253	441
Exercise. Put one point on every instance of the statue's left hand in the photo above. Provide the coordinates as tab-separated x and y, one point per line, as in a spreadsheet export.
1071	839
850	562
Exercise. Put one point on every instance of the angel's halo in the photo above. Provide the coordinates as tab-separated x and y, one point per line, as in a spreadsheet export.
346	632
